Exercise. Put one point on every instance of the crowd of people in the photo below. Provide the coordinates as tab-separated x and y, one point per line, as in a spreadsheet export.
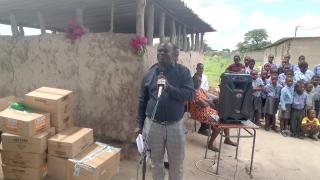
292	91
289	90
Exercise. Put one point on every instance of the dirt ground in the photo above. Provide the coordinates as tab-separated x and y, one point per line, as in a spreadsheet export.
276	158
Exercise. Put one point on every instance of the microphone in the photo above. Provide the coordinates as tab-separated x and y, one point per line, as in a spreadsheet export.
161	82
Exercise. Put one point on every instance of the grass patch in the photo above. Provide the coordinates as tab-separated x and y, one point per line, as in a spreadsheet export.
214	66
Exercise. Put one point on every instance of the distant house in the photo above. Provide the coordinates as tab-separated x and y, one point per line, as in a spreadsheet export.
307	46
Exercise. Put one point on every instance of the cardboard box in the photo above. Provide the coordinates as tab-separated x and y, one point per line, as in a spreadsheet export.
20	173
70	142
57	168
58	102
104	163
62	121
34	144
52	131
24	123
5	103
22	159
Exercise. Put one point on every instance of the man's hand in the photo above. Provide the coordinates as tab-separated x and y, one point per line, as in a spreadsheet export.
137	131
166	85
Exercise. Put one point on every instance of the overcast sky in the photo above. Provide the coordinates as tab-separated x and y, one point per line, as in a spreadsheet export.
233	18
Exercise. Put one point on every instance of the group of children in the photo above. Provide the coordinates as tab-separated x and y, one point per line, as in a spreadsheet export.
293	95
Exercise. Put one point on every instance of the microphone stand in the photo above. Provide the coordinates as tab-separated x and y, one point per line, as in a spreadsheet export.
144	154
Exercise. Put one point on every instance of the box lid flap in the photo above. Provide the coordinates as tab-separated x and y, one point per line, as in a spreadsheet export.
49	93
19	115
70	135
37	136
95	155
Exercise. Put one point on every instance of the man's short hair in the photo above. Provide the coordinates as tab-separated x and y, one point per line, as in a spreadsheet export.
252	60
301	56
199	64
168	43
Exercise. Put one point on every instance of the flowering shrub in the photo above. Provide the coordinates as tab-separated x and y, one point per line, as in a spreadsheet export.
138	45
74	31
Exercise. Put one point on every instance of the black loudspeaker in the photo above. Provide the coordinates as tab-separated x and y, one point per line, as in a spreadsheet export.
235	97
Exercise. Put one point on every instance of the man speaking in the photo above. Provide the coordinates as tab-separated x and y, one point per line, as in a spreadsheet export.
166	130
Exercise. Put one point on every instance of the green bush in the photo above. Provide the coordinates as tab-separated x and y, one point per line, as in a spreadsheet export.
215	66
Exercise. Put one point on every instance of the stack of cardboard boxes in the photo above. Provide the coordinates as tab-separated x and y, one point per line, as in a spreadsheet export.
58	102
24	144
72	153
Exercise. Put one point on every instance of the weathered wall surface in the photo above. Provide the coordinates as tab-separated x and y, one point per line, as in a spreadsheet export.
309	47
257	55
188	59
99	68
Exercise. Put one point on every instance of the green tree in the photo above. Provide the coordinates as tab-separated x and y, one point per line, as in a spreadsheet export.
206	47
254	40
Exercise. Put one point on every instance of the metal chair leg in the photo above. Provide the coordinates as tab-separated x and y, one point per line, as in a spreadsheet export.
253	147
238	141
208	138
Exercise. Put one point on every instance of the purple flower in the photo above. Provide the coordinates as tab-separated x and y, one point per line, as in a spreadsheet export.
74	31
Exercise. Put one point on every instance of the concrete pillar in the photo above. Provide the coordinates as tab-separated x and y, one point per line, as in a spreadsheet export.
79	17
141	4
150	23
14	25
188	44
21	30
197	45
173	37
202	42
192	42
41	23
112	18
162	27
185	46
179	38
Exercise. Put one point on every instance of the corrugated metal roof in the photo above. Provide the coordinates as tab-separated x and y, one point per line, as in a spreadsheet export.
57	14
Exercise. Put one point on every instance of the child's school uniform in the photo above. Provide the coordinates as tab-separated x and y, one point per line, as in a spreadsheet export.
248	70
316	92
271	105
257	102
310	101
297	113
286	99
310	127
272	99
282	80
263	96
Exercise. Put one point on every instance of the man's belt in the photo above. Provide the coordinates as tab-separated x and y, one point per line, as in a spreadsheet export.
165	123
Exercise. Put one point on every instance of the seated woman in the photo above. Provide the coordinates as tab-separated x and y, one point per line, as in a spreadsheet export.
201	111
310	125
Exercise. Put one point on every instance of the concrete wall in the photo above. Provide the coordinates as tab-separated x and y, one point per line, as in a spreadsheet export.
188	59
257	55
309	47
99	68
